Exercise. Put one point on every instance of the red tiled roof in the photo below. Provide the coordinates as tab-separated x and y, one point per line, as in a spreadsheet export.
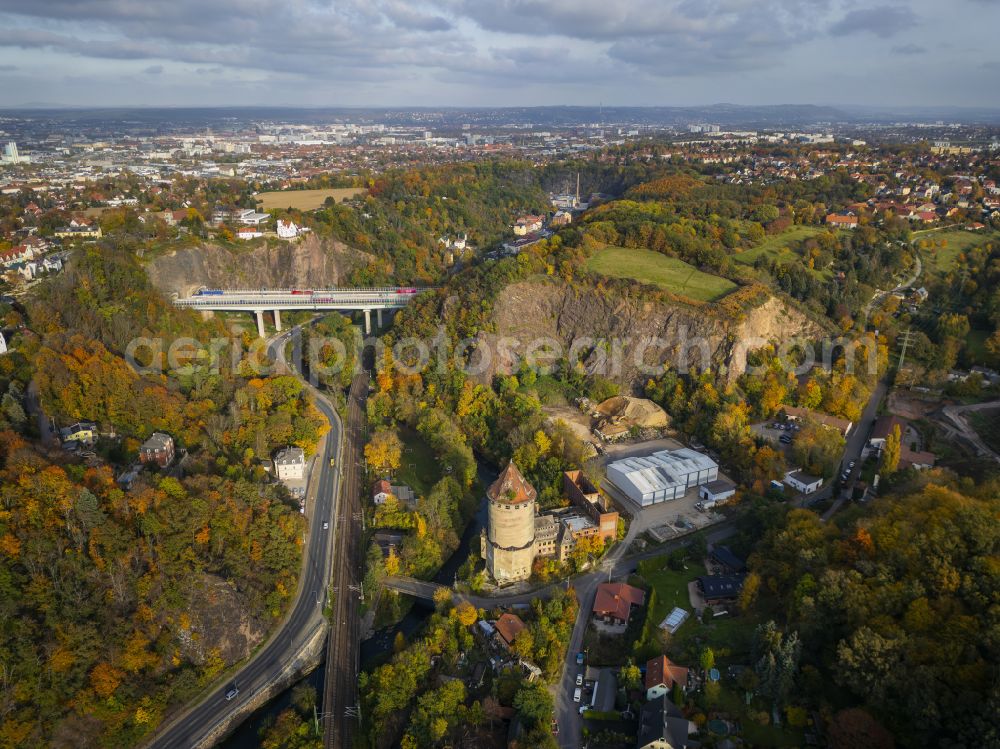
660	670
509	626
908	457
617	599
884	424
382	487
511	487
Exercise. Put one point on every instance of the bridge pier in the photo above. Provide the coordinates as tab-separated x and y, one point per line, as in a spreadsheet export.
260	322
277	320
378	318
368	321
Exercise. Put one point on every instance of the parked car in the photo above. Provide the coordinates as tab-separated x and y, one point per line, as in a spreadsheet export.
579	659
576	694
579	680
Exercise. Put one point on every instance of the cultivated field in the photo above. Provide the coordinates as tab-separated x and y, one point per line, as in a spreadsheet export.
306	200
666	272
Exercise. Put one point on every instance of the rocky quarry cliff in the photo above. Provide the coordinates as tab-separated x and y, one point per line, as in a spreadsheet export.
645	332
307	263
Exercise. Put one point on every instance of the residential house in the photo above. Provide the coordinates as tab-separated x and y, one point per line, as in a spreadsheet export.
508	627
82	231
383	490
83	432
661	675
796	413
917	459
290	464
720	589
172	218
561	218
803	482
159	449
842	220
663	726
528	225
249	232
614	602
19	254
883	428
387	541
287	229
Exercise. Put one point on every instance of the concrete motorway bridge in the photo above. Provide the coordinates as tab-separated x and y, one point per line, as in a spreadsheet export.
260	301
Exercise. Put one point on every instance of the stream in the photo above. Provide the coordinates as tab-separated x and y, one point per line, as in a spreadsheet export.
246	735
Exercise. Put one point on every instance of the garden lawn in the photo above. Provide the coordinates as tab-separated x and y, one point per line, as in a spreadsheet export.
668	273
730	636
419	468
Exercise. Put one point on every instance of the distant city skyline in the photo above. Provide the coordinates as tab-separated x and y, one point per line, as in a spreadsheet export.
503	53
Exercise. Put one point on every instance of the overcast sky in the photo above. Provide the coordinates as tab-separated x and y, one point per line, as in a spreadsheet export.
499	52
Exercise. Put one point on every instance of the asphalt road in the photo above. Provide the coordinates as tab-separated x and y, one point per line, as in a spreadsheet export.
190	728
853	448
615	565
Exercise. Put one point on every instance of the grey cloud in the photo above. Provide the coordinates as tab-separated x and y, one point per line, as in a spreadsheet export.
909	49
405	17
153	70
662	37
298	37
883	21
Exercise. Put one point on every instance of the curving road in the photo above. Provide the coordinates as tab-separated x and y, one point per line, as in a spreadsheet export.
878	296
193	727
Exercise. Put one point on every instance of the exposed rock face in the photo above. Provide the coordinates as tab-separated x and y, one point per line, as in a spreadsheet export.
647	333
310	262
219	620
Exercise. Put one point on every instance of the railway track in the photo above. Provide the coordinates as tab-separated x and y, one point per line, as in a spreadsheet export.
341	709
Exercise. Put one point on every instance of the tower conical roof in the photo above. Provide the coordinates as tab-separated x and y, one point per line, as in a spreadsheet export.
511	487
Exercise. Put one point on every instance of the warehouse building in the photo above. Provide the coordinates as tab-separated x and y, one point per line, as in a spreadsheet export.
662	476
